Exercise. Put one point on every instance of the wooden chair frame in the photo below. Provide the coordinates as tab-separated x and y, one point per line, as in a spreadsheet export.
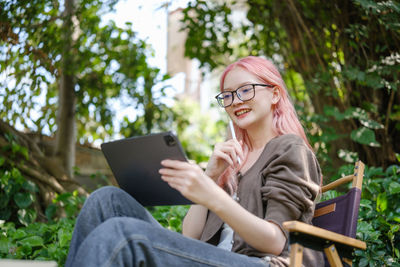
306	235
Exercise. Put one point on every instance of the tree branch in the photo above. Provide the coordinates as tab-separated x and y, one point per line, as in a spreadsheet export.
303	25
389	110
46	179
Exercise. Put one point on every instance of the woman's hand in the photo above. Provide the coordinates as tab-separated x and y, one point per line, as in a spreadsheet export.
225	154
194	184
190	180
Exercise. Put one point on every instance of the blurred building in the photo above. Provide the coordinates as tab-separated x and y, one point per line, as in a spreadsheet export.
198	87
177	62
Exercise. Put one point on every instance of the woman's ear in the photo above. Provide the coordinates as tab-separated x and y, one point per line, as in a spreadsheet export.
276	95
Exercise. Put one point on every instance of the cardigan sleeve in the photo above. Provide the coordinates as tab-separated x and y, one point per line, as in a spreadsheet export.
291	182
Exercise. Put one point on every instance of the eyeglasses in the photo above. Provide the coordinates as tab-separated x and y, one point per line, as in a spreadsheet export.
244	93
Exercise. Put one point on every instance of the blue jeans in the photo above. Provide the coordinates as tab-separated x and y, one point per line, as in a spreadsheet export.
113	229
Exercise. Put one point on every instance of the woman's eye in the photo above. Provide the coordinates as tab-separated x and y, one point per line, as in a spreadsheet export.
246	90
227	96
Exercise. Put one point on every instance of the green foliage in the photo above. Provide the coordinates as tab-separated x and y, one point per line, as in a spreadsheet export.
68	203
198	130
107	64
342	70
170	217
17	194
21	236
43	241
363	135
37	241
202	29
379	217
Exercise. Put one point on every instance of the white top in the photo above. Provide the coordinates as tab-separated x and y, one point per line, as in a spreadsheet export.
226	238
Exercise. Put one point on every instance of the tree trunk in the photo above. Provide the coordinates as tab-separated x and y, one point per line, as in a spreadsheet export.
66	131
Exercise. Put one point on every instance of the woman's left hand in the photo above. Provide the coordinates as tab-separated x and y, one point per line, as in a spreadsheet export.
190	180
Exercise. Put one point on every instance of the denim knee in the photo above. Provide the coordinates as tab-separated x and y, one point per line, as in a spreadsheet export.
102	197
105	192
112	243
127	228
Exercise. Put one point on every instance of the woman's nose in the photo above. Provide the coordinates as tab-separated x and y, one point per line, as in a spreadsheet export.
236	99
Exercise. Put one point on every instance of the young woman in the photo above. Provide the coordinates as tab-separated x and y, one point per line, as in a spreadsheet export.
250	187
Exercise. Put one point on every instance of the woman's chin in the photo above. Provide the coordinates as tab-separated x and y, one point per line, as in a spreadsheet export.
244	123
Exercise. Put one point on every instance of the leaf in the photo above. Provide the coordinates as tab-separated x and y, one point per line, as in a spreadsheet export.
374	172
19	234
30	186
394	228
364	136
5	214
175	222
364	227
363	262
381	202
51	211
371	124
4	245
334	112
394	188
24	152
33	241
25	250
23	200
16	174
63	237
392	170
3	200
26	216
64	197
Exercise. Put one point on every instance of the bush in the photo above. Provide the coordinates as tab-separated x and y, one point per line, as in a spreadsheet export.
170	216
37	241
17	195
379	218
42	241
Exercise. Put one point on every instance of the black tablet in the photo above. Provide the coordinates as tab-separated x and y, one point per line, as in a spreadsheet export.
135	163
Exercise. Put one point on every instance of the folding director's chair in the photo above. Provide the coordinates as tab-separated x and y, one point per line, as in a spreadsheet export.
334	225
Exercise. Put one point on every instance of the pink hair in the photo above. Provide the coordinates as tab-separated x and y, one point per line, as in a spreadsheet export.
285	120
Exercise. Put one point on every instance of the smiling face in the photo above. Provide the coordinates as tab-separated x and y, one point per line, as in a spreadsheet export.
256	112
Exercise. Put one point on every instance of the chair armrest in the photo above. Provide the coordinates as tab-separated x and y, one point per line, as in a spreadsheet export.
336	183
304	228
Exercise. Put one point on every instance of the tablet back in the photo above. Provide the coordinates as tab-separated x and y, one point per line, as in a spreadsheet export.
135	163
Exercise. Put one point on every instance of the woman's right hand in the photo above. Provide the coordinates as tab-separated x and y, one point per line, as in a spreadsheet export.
225	154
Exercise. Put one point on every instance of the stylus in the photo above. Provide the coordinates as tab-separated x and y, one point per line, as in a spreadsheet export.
233	135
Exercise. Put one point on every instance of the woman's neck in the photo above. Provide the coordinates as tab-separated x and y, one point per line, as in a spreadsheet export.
260	135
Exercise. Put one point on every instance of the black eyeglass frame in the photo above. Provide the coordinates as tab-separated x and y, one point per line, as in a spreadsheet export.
232	92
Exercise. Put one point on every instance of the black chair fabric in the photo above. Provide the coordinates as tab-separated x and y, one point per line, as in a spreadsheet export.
344	219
